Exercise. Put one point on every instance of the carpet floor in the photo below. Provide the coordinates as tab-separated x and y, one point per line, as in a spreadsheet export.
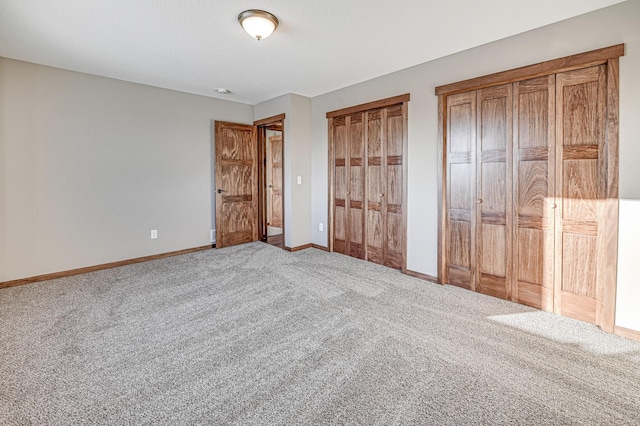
253	334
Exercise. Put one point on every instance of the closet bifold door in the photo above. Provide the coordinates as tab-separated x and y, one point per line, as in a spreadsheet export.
384	182
581	97
534	191
348	168
494	201
461	189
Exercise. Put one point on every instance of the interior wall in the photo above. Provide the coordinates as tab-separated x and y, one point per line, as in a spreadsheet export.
606	27
90	165
297	163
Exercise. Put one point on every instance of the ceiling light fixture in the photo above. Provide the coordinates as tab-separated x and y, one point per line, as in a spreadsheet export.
223	91
258	23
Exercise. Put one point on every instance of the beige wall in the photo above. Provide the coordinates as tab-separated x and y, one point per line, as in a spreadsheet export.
613	25
89	165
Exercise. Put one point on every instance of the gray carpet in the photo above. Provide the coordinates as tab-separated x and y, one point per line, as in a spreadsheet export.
255	335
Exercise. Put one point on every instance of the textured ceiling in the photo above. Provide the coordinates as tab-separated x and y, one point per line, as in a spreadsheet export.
197	46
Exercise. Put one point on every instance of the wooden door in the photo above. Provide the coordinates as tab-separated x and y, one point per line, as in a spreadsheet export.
355	186
236	173
494	191
580	182
385	186
534	191
461	189
274	171
348	203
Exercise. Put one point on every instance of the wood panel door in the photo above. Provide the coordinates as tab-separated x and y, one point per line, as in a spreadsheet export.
355	186
348	168
385	186
580	182
236	173
494	201
274	171
367	152
534	191
461	189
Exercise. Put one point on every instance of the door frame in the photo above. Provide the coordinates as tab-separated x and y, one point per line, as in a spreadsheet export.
275	122
609	56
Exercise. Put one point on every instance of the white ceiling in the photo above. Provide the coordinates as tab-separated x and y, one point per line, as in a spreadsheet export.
197	46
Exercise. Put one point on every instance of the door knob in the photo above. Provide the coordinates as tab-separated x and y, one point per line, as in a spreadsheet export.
381	195
220	191
270	186
479	201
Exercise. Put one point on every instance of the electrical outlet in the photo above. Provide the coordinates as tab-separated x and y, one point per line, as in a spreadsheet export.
320	227
299	180
154	234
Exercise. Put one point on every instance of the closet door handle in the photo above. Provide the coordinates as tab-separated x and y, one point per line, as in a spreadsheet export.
381	195
479	201
554	206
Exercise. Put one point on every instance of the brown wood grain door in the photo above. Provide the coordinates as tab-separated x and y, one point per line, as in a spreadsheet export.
339	169
348	203
367	147
394	190
236	173
580	182
461	189
534	191
355	186
385	231
274	166
494	200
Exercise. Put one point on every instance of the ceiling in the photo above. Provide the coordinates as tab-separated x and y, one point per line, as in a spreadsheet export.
197	46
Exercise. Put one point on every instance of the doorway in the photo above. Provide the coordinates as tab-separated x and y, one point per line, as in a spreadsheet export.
271	180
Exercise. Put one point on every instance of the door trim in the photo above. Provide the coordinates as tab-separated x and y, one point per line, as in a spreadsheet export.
262	125
554	66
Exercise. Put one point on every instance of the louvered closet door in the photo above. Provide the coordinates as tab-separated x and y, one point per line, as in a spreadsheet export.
461	189
348	146
580	166
534	191
494	191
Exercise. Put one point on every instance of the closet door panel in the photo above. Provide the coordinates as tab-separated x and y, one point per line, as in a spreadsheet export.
393	194
356	187
461	189
376	183
580	171
340	184
375	226
494	197
534	191
372	184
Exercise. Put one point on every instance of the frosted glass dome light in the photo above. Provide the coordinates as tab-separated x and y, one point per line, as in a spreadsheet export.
258	23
